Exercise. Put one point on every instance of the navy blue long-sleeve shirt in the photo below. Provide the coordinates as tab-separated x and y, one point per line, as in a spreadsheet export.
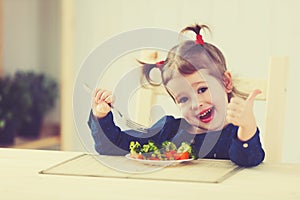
224	144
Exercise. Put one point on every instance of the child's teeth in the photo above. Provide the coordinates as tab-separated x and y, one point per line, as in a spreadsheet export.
205	113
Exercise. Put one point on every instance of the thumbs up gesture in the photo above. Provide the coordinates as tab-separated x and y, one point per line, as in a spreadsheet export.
240	113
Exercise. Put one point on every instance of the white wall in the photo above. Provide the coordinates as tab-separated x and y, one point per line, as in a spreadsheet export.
32	39
248	32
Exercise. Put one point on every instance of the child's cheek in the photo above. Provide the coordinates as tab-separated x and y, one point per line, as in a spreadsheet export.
208	97
184	109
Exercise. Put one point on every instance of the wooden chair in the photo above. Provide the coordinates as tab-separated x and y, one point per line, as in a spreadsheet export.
273	88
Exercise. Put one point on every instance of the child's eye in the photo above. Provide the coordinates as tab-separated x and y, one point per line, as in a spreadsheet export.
202	90
183	100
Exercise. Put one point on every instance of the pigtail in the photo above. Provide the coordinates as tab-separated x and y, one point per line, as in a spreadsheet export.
196	28
146	74
152	63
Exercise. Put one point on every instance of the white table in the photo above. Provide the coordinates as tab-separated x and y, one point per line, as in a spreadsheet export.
20	180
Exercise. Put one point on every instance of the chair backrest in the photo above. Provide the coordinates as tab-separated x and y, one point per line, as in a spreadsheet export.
276	108
273	88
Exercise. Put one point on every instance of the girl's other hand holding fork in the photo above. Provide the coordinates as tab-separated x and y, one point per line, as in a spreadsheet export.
101	105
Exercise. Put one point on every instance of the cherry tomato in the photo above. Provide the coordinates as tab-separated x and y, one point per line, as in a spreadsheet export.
170	154
181	156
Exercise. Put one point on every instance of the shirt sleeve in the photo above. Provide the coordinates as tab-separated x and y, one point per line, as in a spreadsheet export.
103	144
111	140
247	153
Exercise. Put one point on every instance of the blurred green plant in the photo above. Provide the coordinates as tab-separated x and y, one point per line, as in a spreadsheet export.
41	89
13	106
42	92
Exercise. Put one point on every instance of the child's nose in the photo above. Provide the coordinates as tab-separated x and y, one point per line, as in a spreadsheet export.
196	103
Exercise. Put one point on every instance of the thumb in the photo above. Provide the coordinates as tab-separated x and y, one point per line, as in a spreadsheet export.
253	94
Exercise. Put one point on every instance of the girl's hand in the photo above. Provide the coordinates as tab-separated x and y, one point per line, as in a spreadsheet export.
101	103
240	113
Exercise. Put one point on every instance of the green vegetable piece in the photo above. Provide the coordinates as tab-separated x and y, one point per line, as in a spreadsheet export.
145	148
168	146
185	147
152	146
134	147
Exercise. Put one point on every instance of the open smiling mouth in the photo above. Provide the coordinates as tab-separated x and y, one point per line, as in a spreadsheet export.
206	115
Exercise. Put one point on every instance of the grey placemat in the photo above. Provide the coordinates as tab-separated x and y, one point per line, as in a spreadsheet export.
202	170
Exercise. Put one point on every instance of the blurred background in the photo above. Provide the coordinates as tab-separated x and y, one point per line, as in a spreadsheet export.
54	37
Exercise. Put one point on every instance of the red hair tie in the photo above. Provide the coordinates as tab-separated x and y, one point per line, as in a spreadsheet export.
160	64
199	39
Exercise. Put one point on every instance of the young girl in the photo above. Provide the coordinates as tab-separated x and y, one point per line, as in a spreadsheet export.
216	120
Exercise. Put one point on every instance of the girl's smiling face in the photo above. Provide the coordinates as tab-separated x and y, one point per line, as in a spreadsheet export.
201	98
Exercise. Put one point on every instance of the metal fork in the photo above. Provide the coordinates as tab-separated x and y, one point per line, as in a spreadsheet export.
131	124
